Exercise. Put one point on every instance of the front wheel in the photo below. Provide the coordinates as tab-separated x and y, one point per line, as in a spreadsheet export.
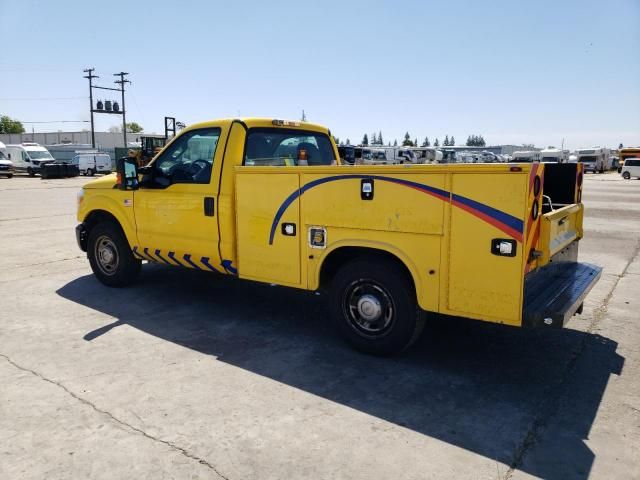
110	256
31	172
90	172
626	175
374	306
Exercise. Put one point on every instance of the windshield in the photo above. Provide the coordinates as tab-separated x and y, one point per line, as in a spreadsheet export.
39	155
587	159
2	156
549	159
280	147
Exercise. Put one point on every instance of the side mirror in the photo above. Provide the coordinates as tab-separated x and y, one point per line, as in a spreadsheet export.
127	173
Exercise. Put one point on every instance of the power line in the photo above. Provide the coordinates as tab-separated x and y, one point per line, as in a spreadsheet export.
60	121
40	98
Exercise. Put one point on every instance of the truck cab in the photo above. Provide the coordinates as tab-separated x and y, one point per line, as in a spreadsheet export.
267	200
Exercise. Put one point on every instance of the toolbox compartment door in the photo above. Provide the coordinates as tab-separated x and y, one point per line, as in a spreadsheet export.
558	229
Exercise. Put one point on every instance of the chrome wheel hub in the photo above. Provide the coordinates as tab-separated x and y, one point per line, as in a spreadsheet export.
106	255
368	308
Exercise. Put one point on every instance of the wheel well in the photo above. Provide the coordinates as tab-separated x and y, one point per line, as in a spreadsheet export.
343	255
99	216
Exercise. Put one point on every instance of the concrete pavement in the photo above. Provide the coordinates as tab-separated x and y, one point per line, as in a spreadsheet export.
187	375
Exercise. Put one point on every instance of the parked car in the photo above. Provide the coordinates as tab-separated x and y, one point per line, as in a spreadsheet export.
631	168
92	163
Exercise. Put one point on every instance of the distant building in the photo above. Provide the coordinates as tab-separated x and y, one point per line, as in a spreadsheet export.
63	145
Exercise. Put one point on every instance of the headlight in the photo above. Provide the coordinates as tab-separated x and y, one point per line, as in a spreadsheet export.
80	197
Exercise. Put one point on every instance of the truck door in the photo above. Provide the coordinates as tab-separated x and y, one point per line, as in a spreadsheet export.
176	205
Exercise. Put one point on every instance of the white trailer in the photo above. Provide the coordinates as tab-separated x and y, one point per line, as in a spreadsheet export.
594	159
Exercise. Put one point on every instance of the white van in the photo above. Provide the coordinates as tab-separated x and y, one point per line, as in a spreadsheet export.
6	166
27	157
92	162
631	168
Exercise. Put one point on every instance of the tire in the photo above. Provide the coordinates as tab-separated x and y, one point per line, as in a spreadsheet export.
10	175
31	172
626	175
110	256
365	285
90	172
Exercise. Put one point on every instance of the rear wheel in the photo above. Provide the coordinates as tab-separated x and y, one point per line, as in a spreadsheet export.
374	306
626	175
90	172
31	172
110	256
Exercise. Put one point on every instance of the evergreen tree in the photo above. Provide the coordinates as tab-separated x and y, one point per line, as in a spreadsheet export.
380	138
468	141
395	142
365	140
452	141
407	140
415	142
426	142
436	143
620	146
348	142
446	141
481	142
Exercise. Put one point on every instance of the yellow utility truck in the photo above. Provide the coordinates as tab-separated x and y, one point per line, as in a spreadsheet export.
266	200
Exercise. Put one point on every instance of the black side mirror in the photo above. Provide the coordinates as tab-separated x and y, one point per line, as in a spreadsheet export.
127	173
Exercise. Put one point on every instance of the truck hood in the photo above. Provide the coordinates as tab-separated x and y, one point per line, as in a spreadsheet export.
5	162
106	182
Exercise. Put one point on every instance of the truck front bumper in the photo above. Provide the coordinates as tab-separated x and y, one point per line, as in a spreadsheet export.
555	292
81	237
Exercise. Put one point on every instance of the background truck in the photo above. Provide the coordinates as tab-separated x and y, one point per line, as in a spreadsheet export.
27	157
263	200
596	159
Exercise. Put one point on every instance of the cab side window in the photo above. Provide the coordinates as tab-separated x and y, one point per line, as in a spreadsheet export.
282	147
189	159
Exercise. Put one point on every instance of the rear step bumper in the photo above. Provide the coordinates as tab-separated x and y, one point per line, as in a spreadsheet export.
555	292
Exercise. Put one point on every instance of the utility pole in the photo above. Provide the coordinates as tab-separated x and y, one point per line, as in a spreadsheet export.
121	82
91	76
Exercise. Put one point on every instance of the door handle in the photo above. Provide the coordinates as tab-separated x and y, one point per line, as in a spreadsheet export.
209	206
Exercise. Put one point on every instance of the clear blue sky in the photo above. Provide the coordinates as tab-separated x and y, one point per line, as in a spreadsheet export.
514	72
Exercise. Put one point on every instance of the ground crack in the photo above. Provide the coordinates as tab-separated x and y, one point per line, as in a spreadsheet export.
548	407
122	423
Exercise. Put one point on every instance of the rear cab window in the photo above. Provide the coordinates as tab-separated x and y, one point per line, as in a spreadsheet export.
282	147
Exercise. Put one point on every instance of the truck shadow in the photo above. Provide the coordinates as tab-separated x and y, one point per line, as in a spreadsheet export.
485	388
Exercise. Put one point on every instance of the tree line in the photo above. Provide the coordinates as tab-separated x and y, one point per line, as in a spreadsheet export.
376	139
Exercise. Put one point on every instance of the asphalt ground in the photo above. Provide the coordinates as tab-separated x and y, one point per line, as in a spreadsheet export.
189	375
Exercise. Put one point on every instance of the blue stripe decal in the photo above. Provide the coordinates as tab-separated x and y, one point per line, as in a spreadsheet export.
187	258
227	265
160	257
172	256
502	217
205	262
148	255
